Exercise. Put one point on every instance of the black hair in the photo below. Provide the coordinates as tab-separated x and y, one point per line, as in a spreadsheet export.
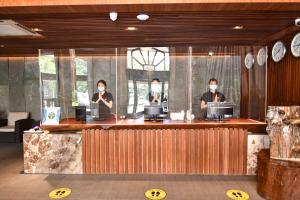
155	79
212	80
102	81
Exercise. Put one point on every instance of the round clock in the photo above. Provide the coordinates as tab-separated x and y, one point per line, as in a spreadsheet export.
249	60
261	56
295	45
278	51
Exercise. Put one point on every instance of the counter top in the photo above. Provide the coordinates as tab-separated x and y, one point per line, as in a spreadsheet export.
73	125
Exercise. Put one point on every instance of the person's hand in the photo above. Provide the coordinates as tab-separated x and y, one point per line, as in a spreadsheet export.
100	98
216	98
155	96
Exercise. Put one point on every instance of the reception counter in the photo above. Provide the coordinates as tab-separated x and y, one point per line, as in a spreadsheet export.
167	147
73	125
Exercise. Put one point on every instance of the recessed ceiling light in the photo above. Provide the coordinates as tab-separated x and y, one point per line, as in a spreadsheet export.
37	29
238	27
113	16
131	28
142	17
210	53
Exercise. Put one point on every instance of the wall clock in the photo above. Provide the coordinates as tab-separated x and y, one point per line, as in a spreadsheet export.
278	51
295	45
261	56
249	60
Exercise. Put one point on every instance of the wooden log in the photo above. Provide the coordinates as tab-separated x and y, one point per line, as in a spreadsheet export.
277	179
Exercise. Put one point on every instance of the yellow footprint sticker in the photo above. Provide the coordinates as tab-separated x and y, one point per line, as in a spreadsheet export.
155	194
60	193
237	195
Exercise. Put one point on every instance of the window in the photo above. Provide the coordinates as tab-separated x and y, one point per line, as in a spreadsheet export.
82	93
148	58
48	79
141	61
142	95
131	95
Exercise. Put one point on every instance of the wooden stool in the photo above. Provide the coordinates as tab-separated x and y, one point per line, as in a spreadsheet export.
277	179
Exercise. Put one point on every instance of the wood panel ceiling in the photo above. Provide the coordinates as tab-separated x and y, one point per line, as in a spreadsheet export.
78	28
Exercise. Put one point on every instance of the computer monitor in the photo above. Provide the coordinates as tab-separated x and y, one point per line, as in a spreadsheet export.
80	113
154	112
220	110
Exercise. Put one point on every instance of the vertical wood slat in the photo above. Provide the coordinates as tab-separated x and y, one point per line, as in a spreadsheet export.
167	151
84	148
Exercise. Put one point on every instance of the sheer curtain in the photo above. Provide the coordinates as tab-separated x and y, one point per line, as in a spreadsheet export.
222	63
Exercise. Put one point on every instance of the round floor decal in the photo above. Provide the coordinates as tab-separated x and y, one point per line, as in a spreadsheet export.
155	194
59	193
237	195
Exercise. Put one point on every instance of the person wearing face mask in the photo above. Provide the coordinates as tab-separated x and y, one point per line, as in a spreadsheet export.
213	95
156	96
104	100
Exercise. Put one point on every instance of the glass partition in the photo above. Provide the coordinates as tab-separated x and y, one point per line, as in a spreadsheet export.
236	70
152	77
70	85
220	66
147	83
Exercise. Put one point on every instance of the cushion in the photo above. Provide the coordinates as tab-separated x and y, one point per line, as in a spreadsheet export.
7	129
14	116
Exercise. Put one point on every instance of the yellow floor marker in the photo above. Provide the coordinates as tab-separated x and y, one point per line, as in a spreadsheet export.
237	195
155	194
60	193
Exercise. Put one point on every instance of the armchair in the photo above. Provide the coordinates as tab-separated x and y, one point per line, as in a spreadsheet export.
11	129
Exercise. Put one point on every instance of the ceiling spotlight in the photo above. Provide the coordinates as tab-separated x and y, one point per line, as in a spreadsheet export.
37	29
142	17
113	16
131	28
210	53
238	27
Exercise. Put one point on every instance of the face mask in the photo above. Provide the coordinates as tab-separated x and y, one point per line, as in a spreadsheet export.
155	88
101	89
213	88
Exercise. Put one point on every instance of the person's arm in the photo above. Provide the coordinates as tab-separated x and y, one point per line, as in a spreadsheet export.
216	97
155	98
109	102
203	104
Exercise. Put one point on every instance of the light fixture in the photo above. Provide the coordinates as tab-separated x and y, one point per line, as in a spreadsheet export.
131	28
2	45
37	29
297	21
113	16
238	27
142	17
210	53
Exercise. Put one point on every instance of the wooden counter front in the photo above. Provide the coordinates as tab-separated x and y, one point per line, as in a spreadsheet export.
165	151
168	147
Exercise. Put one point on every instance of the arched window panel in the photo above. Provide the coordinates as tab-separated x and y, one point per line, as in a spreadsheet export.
148	58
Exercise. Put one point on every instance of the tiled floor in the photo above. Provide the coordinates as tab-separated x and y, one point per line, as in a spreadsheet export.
15	185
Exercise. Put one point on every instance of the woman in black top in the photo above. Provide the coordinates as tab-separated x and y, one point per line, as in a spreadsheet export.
104	99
